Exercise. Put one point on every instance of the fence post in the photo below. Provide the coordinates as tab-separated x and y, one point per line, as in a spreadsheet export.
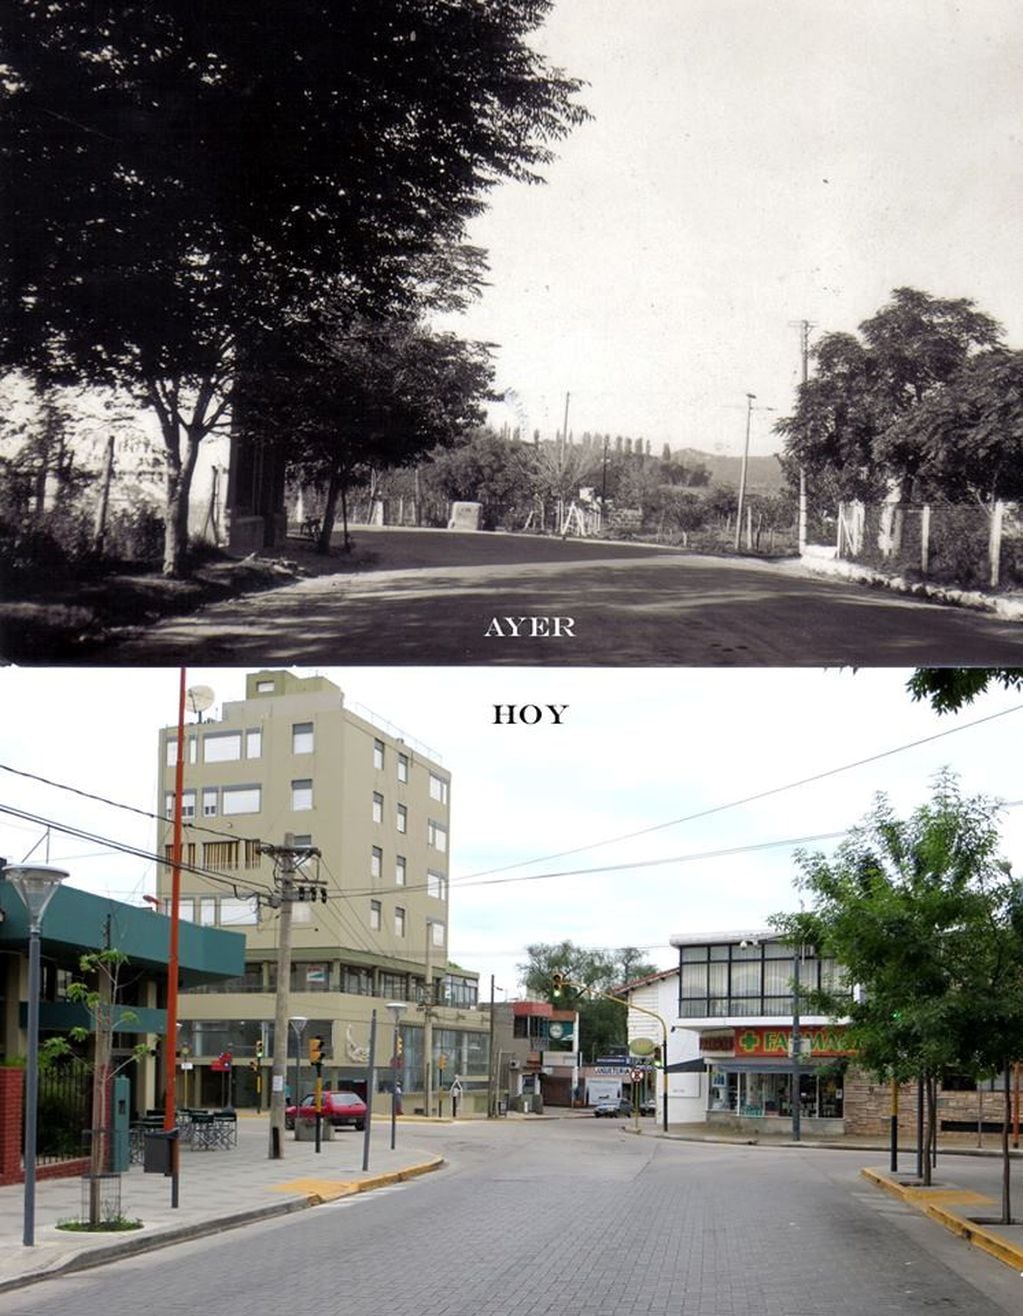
994	546
925	538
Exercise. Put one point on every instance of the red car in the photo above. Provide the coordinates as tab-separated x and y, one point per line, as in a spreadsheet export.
341	1108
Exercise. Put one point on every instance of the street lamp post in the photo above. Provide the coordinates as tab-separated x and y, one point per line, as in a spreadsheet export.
298	1023
36	886
397	1009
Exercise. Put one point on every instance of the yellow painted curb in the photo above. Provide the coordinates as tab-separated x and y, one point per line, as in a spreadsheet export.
329	1190
933	1203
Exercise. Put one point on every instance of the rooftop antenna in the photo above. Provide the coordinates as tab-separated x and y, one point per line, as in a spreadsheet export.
198	698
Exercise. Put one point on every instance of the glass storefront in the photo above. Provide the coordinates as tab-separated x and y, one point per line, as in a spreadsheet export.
761	1094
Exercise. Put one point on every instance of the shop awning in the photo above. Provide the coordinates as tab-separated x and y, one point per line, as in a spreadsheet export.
764	1065
696	1066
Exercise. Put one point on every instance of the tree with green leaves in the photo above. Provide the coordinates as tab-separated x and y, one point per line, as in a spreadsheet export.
949	688
591	976
850	430
182	178
489	469
925	917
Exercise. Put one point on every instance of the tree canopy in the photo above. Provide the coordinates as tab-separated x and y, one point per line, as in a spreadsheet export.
851	428
178	177
926	919
950	688
602	1023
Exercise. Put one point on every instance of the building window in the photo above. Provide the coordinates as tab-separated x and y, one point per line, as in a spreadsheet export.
374	915
376	862
220	855
171	752
265	687
438	789
306	977
253	744
394	986
207	911
188	804
209	801
378	807
302	794
187	853
402	819
378	753
222	747
356	980
437	835
399	921
403	767
399	870
238	913
436	885
302	738
437	933
240	799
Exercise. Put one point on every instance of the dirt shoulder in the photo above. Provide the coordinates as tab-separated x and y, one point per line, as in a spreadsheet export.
66	622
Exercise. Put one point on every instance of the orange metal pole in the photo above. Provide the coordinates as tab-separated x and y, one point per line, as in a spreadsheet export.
171	1041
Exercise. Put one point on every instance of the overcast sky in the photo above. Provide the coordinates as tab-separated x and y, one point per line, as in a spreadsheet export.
750	163
637	749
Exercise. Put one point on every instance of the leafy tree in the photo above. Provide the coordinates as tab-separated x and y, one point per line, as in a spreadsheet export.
925	917
183	177
489	469
949	688
965	440
368	395
602	1023
846	423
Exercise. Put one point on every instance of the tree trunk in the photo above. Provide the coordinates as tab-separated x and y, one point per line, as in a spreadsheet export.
346	541
329	515
929	1138
100	1083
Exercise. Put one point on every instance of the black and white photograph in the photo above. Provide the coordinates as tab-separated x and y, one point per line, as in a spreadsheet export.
579	333
511	601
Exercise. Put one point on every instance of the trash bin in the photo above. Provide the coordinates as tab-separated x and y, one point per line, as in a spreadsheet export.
158	1151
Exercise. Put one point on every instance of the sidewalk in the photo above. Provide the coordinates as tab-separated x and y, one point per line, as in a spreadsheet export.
217	1190
965	1195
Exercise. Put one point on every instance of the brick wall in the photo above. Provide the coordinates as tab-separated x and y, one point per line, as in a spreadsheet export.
12	1095
12	1098
868	1106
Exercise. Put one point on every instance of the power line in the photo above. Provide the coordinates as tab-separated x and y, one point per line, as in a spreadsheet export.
117	804
735	804
124	848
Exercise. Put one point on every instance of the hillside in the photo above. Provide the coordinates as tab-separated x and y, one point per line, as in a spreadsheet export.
763	474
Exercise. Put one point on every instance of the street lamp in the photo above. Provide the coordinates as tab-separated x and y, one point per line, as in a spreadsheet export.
397	1009
298	1022
742	471
35	885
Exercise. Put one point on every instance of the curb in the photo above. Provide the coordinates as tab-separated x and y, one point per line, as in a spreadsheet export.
980	1236
138	1243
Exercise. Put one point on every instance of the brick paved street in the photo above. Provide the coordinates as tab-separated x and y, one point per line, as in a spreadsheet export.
574	1217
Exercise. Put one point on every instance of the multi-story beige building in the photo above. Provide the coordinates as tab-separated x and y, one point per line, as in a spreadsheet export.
292	760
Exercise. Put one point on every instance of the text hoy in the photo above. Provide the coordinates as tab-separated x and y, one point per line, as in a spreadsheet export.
530	714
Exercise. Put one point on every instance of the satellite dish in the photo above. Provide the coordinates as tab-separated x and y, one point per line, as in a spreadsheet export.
198	698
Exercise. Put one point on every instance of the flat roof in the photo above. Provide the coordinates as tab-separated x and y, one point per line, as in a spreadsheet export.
78	922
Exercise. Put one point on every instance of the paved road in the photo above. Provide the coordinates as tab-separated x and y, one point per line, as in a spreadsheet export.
430	597
575	1217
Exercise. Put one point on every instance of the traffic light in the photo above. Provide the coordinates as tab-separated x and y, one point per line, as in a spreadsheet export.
558	981
259	1050
254	1066
315	1050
